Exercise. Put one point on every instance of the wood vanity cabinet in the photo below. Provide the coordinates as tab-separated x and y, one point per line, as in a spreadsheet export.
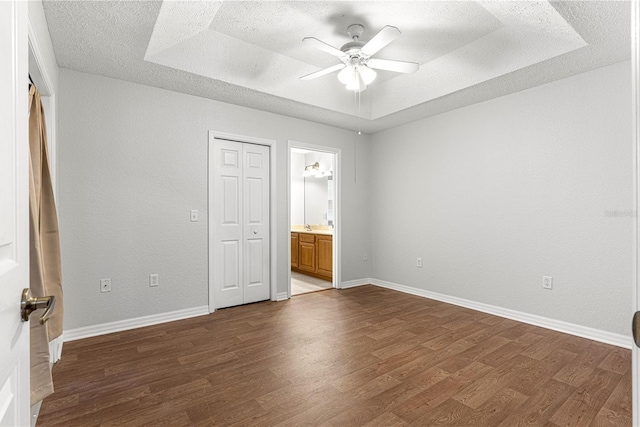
294	250
312	254
324	254
307	252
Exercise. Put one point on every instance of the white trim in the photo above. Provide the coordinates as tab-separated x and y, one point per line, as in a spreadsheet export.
532	319
36	50
44	79
337	208
635	114
137	322
289	219
283	296
273	251
353	283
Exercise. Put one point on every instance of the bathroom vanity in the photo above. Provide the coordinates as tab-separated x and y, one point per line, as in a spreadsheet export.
312	253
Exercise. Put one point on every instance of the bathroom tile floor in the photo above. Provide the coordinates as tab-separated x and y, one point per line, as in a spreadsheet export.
302	284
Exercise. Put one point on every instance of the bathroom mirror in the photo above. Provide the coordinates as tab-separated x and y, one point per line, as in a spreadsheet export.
316	200
312	195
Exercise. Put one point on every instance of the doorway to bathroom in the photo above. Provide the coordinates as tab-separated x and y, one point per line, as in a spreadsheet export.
313	218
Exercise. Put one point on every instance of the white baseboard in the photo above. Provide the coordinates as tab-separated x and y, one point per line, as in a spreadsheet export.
353	283
544	322
282	296
532	319
138	322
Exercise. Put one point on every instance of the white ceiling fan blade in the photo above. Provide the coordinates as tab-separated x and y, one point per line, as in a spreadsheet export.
397	66
319	44
323	72
380	40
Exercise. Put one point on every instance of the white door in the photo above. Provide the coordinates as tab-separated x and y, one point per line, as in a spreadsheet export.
240	223
14	214
256	222
635	86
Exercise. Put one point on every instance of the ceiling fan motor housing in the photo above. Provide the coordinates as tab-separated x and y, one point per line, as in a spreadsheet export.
355	31
353	48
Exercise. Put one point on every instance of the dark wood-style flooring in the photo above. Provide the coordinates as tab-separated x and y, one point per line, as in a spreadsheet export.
361	356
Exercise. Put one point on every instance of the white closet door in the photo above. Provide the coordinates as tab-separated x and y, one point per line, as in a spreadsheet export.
240	223
256	223
227	227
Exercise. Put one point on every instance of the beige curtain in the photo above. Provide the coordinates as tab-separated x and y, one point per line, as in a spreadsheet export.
45	269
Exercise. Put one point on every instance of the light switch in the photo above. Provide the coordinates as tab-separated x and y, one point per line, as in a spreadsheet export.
194	215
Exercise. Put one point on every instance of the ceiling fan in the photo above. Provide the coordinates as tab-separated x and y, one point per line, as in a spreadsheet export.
356	56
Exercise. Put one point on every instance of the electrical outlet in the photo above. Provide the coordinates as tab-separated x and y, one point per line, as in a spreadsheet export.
194	215
419	262
105	285
365	257
154	280
547	282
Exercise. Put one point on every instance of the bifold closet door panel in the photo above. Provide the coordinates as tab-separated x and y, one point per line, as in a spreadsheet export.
256	223
227	218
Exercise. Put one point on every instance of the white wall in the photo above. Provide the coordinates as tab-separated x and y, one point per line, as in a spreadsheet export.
297	189
134	163
495	195
491	196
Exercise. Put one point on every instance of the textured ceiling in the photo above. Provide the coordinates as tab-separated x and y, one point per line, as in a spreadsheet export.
252	54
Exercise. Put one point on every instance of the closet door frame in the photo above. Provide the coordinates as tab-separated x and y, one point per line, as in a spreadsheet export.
213	135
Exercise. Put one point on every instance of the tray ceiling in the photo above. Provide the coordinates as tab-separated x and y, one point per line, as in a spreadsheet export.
252	54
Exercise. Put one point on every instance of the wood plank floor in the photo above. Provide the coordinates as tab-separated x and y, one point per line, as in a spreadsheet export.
361	356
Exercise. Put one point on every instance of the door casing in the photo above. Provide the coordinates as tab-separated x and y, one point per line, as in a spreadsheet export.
635	109
337	188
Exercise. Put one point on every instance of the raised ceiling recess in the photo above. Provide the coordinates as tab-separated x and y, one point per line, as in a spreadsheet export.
252	53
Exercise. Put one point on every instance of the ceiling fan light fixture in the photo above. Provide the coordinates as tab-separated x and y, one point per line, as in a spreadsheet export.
346	75
356	77
367	74
356	84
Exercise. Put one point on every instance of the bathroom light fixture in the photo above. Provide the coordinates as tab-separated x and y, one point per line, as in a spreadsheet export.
312	170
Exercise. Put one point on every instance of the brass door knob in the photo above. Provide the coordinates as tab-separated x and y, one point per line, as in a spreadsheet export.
635	328
28	305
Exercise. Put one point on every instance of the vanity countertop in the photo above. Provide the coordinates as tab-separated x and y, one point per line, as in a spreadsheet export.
325	231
